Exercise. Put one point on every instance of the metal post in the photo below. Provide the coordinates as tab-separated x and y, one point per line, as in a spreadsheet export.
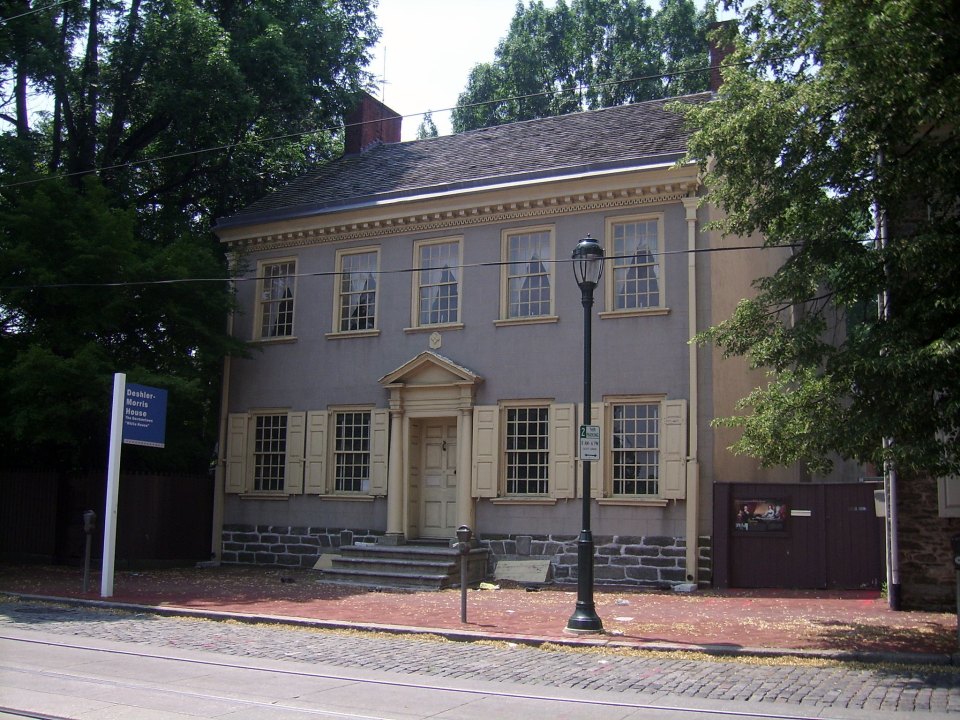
585	618
464	536
463	588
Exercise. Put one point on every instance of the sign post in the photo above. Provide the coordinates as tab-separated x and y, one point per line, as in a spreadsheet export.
139	417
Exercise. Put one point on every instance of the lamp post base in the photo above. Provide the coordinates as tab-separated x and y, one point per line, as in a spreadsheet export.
584	618
584	621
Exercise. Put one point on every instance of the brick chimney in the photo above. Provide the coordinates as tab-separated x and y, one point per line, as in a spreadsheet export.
719	53
370	123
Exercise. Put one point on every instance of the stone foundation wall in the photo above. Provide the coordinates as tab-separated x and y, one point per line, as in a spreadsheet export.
644	561
286	546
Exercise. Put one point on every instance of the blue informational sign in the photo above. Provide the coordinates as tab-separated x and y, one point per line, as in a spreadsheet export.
144	415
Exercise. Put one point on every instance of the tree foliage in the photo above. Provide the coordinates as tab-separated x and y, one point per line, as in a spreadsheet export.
835	134
586	55
427	127
126	129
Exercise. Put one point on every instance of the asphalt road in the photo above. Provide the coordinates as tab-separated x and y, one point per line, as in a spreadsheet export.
74	662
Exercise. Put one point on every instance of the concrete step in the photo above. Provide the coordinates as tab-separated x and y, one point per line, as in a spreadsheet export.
398	565
426	567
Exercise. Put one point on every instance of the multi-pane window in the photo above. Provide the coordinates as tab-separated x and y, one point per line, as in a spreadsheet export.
636	448
636	264
438	287
527	450
529	274
352	451
276	299
357	291
269	452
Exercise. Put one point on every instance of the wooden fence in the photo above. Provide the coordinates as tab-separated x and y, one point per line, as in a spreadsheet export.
161	519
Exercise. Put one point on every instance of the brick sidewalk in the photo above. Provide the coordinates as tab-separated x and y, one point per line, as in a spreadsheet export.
825	622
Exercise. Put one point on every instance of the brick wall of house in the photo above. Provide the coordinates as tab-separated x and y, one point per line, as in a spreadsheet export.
927	577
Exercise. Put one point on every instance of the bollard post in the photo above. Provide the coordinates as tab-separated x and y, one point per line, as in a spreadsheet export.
89	525
464	534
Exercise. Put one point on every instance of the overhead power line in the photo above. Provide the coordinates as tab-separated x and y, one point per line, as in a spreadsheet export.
335	273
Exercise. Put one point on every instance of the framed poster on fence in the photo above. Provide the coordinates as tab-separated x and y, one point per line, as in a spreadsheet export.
754	515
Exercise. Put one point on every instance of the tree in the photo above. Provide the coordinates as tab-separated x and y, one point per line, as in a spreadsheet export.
835	135
130	128
586	55
427	127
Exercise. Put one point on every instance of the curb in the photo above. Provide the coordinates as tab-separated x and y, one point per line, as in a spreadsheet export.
847	656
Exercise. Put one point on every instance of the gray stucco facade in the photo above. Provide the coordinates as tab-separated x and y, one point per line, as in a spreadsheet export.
447	393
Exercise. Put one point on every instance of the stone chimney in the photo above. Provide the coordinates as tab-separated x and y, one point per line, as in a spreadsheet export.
719	53
370	123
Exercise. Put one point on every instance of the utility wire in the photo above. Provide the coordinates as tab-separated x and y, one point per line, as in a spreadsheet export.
337	273
34	11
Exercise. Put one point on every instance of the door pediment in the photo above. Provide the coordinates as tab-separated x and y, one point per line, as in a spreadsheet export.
429	368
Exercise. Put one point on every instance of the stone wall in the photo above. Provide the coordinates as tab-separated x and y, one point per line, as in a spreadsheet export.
287	546
643	561
927	577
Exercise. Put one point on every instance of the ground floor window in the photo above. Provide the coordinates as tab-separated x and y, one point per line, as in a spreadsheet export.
635	448
527	450
269	452
352	451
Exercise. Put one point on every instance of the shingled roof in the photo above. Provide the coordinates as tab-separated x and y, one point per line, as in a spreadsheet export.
567	145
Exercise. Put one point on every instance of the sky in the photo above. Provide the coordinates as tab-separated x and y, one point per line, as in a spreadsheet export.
427	50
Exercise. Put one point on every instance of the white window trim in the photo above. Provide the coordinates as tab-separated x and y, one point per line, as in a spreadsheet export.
608	403
366	332
505	235
610	286
257	333
505	407
415	323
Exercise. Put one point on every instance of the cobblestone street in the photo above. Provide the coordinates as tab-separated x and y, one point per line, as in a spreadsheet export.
789	686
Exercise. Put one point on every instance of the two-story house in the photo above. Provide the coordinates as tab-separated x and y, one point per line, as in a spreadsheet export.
416	348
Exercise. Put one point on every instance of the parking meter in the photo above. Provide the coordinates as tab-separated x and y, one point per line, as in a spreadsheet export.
89	525
464	536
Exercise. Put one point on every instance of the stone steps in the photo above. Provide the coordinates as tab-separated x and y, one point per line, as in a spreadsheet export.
433	566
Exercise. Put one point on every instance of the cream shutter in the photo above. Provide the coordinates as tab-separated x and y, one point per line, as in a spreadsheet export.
673	450
597	469
597	474
296	438
379	450
236	457
563	443
486	451
315	474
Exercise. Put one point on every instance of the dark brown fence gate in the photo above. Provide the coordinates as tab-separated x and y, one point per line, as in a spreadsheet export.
797	536
161	519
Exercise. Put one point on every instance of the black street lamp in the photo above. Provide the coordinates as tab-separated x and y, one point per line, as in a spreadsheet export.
587	268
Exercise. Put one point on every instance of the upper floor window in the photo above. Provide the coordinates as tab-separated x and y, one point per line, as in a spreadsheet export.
275	307
357	290
527	450
635	451
528	280
269	452
437	282
635	244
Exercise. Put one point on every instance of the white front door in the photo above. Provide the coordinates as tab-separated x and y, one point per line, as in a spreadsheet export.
438	478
